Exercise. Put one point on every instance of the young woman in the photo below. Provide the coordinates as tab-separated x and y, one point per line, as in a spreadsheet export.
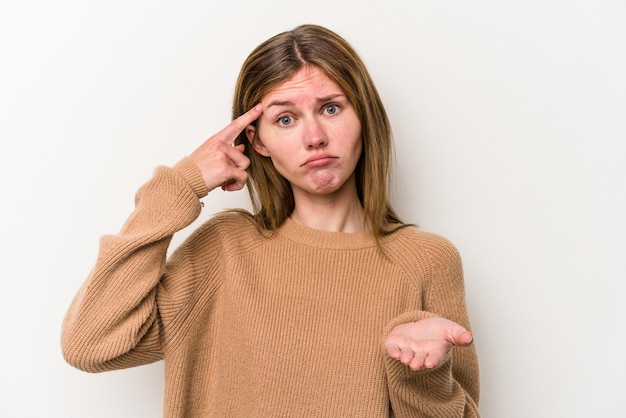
319	303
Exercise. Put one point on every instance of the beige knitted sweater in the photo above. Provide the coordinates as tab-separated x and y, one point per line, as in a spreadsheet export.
289	325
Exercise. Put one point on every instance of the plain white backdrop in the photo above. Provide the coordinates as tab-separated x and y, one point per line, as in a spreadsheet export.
509	119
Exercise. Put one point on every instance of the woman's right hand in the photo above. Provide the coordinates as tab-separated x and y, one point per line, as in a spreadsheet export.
222	164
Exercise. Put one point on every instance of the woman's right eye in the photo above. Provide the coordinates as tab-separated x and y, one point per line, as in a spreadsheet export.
284	120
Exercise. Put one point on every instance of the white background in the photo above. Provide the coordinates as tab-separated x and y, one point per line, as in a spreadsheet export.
509	118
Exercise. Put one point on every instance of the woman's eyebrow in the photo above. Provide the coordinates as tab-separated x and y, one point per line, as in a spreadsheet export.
319	100
330	97
280	103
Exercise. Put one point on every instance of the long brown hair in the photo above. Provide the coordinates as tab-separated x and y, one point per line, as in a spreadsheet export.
276	61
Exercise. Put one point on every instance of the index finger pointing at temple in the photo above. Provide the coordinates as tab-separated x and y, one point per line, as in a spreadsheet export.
233	129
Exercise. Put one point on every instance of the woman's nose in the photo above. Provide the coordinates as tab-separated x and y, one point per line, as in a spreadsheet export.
315	134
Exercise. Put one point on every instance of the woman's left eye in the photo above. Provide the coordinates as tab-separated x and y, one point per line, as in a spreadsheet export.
331	109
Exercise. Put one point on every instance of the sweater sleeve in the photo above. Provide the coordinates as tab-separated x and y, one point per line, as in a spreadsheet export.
452	390
114	320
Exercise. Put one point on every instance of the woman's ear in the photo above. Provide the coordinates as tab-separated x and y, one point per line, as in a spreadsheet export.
257	144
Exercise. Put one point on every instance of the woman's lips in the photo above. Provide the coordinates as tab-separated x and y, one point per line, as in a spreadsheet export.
319	160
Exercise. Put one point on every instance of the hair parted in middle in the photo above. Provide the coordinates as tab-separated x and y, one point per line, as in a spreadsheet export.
277	60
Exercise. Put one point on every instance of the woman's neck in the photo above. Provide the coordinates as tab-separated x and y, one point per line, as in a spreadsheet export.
337	212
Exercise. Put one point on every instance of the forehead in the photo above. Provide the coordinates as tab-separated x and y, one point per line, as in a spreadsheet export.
308	81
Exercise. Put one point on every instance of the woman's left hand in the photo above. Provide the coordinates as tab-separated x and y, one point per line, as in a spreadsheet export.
425	343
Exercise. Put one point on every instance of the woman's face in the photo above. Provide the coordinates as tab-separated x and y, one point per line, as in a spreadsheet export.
311	132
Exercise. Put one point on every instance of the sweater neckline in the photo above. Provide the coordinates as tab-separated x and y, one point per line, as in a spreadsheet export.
302	234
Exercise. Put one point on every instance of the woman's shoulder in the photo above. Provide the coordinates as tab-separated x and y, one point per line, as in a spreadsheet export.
228	222
232	228
233	218
423	256
411	242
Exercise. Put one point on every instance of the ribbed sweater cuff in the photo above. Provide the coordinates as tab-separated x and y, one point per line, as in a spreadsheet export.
190	172
412	316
